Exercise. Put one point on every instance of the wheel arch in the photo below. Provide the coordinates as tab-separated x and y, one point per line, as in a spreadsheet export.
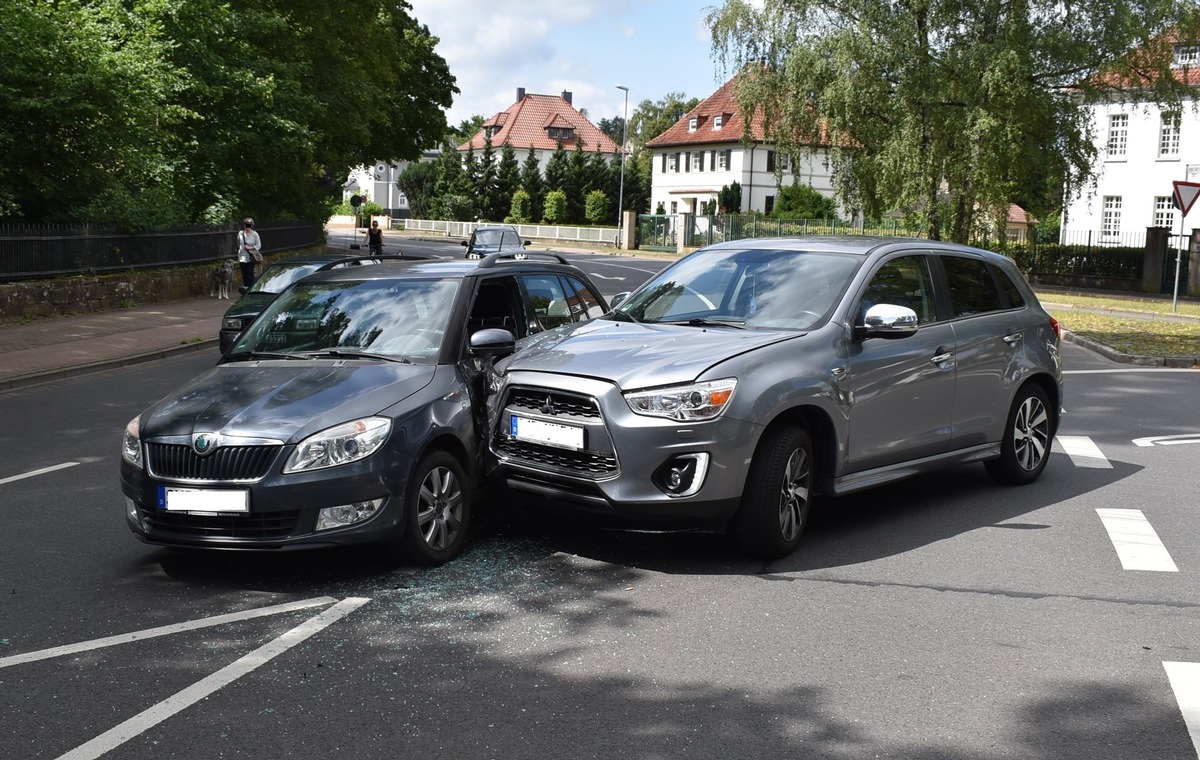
821	431
1053	392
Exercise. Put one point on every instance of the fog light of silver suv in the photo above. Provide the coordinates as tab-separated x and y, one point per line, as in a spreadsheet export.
682	475
691	402
347	514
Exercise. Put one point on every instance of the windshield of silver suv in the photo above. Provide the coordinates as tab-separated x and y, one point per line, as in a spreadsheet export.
793	290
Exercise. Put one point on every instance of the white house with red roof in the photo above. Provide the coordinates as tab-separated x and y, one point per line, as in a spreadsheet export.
541	122
1143	151
704	151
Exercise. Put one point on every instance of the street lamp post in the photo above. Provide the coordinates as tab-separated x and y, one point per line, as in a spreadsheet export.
621	191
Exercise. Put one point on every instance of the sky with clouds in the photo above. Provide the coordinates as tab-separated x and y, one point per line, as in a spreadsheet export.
586	47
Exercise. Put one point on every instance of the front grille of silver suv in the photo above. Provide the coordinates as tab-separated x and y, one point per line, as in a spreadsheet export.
595	460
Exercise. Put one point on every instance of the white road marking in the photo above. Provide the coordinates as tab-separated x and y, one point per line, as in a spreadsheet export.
1185	682
166	630
602	277
42	471
1167	440
1083	452
176	703
1137	545
1124	370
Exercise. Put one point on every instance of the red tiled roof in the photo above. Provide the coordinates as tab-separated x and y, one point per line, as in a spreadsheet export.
523	125
1143	73
724	103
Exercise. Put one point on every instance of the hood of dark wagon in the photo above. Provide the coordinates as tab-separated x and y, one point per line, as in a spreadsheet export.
284	400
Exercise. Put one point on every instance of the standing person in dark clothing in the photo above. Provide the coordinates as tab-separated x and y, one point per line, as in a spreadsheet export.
374	239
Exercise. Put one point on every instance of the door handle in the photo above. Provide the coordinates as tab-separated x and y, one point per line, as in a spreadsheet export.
1012	339
944	355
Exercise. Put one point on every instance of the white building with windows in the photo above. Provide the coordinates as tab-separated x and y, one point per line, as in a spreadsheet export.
703	152
1143	151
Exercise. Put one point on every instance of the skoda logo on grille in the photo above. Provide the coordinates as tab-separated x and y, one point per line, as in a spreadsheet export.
548	407
204	443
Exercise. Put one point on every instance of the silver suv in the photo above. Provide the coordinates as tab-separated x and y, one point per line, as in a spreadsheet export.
749	376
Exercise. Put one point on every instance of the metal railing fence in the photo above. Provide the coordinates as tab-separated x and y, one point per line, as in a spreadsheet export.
47	251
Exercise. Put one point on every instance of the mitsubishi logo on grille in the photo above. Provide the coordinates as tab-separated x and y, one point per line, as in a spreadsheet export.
204	443
548	407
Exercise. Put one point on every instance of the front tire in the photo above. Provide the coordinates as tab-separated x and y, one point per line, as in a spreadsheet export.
1025	448
778	494
437	511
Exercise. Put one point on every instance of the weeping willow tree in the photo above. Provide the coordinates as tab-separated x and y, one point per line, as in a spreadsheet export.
945	109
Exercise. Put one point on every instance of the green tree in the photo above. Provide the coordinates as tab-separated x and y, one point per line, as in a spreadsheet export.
471	176
532	183
557	169
653	117
508	175
576	184
486	185
802	202
149	112
556	207
943	107
596	207
419	183
521	210
729	199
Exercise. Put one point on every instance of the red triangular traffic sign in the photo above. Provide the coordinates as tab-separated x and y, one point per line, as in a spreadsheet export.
1185	195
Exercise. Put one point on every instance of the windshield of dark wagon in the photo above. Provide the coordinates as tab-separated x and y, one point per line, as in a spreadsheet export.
773	289
403	319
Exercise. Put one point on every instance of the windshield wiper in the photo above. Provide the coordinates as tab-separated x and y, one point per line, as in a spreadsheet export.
343	354
703	322
621	316
267	355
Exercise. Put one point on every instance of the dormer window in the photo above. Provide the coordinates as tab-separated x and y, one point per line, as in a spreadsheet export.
693	123
1187	55
560	133
718	121
490	131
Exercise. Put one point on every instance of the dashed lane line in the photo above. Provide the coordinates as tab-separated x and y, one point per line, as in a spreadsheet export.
147	719
33	473
166	630
1083	451
1138	546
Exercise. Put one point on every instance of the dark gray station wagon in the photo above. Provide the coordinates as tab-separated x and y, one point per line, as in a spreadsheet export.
749	376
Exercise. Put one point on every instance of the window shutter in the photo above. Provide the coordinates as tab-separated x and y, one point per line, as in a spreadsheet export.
770	161
687	161
664	162
712	160
676	163
729	159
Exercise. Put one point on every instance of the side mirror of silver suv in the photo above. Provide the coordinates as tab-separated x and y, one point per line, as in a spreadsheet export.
887	321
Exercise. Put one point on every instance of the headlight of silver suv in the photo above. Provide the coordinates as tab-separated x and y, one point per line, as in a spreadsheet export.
131	444
339	445
694	401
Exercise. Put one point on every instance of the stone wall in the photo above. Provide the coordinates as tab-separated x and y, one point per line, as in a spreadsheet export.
36	299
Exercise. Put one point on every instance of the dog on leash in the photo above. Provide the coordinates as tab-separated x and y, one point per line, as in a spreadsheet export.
221	277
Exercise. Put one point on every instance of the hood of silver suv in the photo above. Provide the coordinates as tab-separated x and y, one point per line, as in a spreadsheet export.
635	355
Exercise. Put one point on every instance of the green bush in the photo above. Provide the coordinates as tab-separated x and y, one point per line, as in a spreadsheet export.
555	209
596	207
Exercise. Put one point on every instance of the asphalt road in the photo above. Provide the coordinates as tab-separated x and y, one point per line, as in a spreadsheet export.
942	618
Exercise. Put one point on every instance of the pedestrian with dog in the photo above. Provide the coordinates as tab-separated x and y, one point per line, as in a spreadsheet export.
249	251
374	239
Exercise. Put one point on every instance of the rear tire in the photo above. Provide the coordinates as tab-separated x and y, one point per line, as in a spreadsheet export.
1025	448
437	511
778	494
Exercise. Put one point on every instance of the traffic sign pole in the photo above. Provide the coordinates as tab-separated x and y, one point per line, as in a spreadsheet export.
1185	195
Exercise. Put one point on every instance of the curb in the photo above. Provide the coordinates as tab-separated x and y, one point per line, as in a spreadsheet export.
63	373
1178	362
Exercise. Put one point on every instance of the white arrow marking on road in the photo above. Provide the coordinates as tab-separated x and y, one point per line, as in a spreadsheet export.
42	471
1185	682
1167	440
147	719
166	630
1137	545
1083	451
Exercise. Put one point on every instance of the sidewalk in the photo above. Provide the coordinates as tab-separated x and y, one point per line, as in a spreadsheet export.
61	347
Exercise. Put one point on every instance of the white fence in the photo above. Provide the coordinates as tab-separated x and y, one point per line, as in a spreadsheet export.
543	232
